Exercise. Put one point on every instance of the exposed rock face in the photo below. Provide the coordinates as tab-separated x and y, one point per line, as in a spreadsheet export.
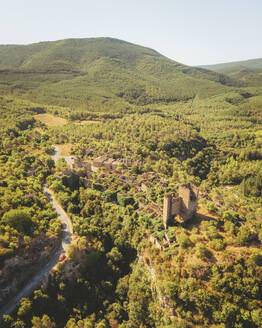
20	268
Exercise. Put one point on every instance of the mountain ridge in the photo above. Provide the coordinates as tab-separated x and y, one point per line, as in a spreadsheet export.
249	63
249	71
82	72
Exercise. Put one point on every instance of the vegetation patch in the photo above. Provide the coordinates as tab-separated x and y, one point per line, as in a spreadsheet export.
65	149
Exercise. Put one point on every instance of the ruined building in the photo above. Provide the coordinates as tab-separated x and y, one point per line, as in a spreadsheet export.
183	204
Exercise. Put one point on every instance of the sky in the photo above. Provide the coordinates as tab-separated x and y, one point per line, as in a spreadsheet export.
193	32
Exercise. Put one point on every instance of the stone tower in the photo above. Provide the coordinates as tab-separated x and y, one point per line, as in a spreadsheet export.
167	209
183	204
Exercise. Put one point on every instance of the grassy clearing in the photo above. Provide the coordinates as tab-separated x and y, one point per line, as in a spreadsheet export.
50	120
65	149
202	212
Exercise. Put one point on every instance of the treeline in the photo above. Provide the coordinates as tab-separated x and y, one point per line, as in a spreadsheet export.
92	116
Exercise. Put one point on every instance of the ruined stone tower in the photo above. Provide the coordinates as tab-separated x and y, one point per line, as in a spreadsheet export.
183	204
167	209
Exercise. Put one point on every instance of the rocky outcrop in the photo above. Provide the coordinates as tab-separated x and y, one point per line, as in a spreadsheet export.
19	269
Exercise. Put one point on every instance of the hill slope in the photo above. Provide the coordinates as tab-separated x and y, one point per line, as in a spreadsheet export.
100	72
249	71
251	63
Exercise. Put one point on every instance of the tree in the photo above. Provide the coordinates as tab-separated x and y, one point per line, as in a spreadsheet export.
244	235
45	322
25	307
19	220
6	321
257	317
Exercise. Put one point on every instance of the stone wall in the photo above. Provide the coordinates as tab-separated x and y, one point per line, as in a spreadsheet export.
183	204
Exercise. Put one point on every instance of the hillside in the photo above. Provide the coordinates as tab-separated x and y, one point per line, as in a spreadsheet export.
251	64
250	76
112	128
99	73
248	71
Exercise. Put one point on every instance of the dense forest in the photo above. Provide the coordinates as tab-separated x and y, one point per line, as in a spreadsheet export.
165	124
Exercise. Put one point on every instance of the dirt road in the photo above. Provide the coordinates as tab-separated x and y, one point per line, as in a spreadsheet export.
69	159
44	272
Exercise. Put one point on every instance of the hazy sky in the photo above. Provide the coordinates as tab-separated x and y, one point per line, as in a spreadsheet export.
189	31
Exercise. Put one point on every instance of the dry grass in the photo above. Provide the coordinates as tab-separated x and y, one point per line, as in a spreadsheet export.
50	120
65	149
203	212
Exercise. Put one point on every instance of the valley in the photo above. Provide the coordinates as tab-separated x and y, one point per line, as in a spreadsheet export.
55	256
112	129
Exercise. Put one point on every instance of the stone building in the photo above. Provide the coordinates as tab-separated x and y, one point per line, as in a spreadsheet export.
183	204
106	163
76	163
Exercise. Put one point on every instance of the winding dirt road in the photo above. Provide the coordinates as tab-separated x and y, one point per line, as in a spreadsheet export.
44	272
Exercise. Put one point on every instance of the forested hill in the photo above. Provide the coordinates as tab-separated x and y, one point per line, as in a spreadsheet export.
248	71
251	64
99	71
79	55
136	126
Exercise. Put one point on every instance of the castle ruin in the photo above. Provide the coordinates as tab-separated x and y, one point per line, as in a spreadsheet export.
183	204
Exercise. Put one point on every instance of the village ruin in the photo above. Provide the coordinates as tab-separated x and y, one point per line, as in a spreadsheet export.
182	205
102	162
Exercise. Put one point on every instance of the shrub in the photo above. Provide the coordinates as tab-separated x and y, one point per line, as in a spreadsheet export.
243	235
211	207
230	227
184	241
257	317
217	244
201	251
25	307
194	238
124	200
212	233
229	215
256	257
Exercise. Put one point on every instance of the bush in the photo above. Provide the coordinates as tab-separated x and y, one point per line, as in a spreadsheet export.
256	257
49	149
110	196
212	233
201	251
257	317
229	215
211	207
6	321
183	240
195	238
230	227
243	235
217	244
25	307
252	186
124	200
